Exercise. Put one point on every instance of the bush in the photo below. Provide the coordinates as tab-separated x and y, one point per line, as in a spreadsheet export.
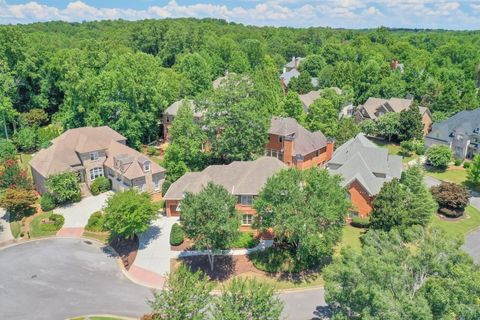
166	184
64	187
245	240
96	222
359	222
25	139
99	185
15	227
450	213
47	134
458	162
407	146
34	118
419	148
47	202
451	195
152	151
466	165
53	222
439	156
177	235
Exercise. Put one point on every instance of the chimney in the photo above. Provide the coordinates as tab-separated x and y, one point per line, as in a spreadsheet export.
329	151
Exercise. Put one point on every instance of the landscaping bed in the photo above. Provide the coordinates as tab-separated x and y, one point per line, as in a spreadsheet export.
461	227
127	249
46	224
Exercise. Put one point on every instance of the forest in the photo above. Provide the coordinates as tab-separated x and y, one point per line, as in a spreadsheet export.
124	74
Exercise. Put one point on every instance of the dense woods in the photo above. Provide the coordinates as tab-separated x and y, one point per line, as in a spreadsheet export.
124	74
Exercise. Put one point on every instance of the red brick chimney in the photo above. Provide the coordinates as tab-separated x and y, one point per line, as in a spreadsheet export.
329	152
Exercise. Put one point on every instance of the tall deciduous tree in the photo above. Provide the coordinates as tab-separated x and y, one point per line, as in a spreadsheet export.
186	296
322	115
18	201
388	125
197	71
305	209
474	171
129	212
301	84
64	187
347	129
410	124
293	107
210	219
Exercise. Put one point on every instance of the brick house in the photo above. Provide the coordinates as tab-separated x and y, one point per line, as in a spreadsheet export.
171	112
243	179
296	146
364	167
92	152
374	108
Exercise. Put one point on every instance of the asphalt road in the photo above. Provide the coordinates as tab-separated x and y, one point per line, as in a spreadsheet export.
60	278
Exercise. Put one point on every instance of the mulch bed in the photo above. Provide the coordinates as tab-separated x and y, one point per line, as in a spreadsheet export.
127	249
443	217
187	244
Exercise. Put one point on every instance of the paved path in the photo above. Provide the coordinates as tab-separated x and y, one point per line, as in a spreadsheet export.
5	232
472	245
77	214
67	277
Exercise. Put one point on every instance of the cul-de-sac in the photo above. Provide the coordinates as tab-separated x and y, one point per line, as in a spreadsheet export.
249	160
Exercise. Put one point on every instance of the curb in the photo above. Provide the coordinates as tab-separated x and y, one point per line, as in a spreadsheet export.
102	315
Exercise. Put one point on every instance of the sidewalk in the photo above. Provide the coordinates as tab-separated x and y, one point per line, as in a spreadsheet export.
5	232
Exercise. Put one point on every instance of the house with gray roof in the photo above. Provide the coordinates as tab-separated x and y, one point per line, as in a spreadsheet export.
460	132
364	168
290	71
242	179
92	152
171	112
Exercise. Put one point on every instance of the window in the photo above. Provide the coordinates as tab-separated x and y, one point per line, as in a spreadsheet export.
246	200
95	173
247	219
94	156
146	166
156	185
317	153
280	139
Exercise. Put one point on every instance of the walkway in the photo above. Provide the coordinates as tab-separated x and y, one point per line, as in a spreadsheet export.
77	214
5	232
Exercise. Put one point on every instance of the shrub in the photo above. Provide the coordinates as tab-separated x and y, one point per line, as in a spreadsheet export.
47	202
177	235
407	146
166	184
99	185
466	165
64	187
419	148
245	240
15	227
451	195
439	156
47	134
53	222
25	139
152	151
458	162
34	118
18	201
96	222
359	222
450	213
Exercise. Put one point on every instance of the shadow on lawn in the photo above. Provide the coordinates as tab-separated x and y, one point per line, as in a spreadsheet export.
224	266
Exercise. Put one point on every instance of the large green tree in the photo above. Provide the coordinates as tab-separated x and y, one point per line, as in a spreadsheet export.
210	219
473	172
305	209
410	124
293	107
439	156
64	187
322	115
197	71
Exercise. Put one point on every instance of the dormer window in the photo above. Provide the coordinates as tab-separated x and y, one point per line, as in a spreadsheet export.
94	155
146	166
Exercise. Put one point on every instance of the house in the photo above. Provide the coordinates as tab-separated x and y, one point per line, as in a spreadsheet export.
92	152
296	146
461	133
374	108
364	168
171	112
242	179
290	71
309	98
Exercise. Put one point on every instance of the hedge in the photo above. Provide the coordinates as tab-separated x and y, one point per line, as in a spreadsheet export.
99	185
177	235
47	202
244	240
96	222
359	222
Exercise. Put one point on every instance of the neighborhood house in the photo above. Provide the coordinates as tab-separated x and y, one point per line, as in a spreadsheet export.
374	108
171	112
364	167
92	152
461	133
243	179
296	146
290	71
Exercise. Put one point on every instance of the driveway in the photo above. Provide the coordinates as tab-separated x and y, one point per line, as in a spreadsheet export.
5	232
67	277
77	214
472	245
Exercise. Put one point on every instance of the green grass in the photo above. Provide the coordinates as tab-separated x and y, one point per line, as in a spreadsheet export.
461	227
394	149
100	236
452	175
23	160
15	227
350	237
37	229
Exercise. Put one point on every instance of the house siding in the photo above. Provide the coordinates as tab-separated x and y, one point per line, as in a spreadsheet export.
38	181
361	200
427	123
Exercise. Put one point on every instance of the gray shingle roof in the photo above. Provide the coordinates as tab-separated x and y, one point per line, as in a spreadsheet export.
360	159
172	110
462	122
239	177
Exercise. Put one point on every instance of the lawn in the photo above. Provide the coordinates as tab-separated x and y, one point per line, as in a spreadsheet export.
457	175
24	159
393	149
16	228
461	227
350	237
100	236
39	229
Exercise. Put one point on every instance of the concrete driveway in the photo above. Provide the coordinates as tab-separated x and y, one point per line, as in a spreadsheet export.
5	232
472	245
68	277
77	214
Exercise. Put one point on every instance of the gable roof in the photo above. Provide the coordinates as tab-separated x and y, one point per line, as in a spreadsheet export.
464	122
310	97
62	155
172	110
360	159
238	177
372	105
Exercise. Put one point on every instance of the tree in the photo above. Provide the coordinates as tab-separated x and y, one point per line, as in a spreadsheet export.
186	296
369	127
26	139
293	107
451	195
388	125
301	84
323	116
410	126
347	129
64	187
18	201
439	156
388	279
247	299
12	176
34	118
305	209
313	64
473	172
129	212
210	219
7	150
197	71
